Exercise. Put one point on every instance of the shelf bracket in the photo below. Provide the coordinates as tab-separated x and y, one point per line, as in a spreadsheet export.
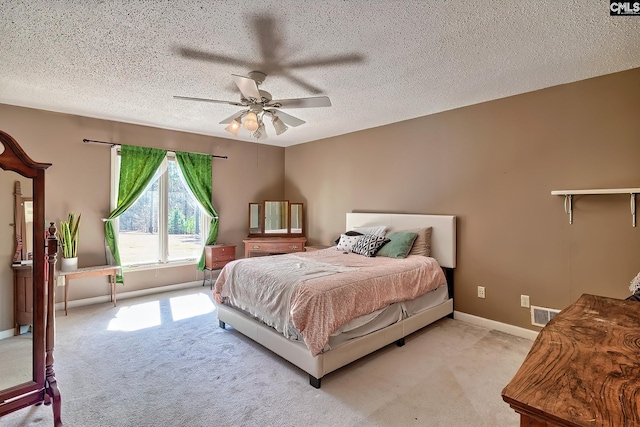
568	198
568	206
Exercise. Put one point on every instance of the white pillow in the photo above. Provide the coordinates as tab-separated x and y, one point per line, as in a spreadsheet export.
346	242
378	230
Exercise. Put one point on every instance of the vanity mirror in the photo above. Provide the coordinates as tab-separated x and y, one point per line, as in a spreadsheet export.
276	218
26	283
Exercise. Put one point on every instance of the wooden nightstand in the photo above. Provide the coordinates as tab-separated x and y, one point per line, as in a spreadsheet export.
216	257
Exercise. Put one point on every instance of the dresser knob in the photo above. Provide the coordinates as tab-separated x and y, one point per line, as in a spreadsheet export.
294	246
256	247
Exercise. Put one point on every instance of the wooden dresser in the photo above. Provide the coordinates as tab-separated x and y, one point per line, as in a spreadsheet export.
216	257
583	369
22	296
256	246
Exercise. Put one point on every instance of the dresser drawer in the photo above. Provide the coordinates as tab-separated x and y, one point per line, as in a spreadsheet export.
276	247
273	245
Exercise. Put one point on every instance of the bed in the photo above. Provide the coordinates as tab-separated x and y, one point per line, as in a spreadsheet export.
342	342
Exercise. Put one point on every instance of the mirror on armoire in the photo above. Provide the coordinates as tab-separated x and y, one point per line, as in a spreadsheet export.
16	283
27	292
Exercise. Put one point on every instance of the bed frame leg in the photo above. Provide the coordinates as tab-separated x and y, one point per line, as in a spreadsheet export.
221	324
400	342
315	382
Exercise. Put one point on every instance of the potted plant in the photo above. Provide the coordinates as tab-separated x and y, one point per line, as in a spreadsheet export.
68	236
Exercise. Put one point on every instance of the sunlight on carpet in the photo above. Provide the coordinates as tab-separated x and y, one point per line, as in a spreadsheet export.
136	317
188	306
147	315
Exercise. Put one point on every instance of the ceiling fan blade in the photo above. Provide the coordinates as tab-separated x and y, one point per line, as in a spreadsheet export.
303	84
315	101
247	86
352	58
235	116
269	42
288	119
214	101
201	55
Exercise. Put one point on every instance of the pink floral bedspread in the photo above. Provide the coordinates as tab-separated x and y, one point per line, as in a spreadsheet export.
322	302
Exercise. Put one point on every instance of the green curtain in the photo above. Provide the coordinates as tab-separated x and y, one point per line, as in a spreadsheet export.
137	167
196	169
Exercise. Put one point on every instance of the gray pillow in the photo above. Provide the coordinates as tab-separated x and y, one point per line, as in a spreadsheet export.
422	244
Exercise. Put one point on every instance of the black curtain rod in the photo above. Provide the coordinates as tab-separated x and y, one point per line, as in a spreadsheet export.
113	144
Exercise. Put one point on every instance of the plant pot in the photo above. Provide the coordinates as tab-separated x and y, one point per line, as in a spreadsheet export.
69	264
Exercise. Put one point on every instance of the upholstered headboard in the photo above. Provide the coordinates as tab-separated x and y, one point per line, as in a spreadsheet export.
443	236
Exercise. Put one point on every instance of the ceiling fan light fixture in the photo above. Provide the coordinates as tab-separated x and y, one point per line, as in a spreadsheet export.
251	122
261	132
233	127
278	125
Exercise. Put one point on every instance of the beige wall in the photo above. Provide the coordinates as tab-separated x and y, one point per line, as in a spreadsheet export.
79	181
494	166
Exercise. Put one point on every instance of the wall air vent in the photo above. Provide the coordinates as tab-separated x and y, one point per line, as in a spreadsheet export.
540	316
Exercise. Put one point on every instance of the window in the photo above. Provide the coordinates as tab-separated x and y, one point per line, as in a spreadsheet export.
166	224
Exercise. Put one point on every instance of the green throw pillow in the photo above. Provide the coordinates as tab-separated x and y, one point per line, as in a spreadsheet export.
399	246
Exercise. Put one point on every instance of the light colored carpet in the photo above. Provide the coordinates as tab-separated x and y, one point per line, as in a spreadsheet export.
16	360
146	363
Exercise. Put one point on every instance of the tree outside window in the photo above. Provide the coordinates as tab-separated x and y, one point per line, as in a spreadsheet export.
165	224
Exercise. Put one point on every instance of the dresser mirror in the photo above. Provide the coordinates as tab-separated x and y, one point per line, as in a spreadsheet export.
27	292
296	218
276	218
255	215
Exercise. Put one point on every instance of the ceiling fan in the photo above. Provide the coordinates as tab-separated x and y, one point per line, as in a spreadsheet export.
259	104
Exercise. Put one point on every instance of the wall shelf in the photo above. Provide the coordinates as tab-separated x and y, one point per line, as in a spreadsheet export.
568	198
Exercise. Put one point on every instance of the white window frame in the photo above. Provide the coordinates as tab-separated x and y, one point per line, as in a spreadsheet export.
163	211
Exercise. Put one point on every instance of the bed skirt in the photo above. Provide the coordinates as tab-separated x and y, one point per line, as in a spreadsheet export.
324	363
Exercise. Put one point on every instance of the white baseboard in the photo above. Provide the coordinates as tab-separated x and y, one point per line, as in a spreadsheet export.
6	334
493	324
126	295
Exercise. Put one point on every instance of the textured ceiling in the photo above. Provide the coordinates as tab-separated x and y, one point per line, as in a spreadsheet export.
379	61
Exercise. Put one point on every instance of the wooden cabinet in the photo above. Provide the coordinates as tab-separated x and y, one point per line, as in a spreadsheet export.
22	296
216	257
257	246
583	368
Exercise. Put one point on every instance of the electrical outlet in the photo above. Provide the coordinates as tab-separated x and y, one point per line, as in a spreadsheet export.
524	301
481	293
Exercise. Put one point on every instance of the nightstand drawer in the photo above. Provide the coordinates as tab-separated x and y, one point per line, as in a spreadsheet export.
217	265
227	257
